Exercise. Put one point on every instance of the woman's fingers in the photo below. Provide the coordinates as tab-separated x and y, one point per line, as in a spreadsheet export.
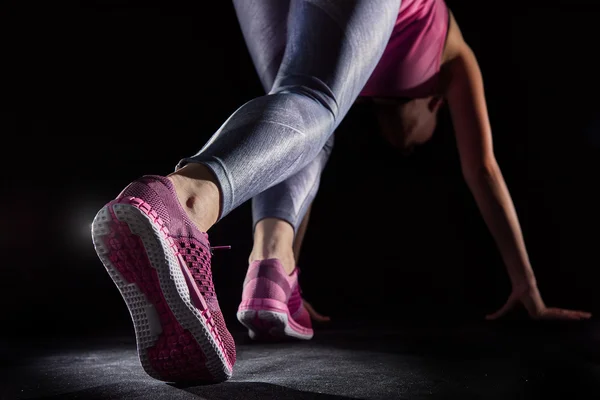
510	303
314	314
566	315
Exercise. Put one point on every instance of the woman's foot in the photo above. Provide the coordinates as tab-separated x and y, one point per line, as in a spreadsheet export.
272	306
161	263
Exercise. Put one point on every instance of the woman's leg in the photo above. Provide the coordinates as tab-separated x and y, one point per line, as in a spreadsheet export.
271	299
279	211
300	232
331	50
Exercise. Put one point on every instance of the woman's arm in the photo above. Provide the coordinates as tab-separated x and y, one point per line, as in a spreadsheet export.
465	96
466	100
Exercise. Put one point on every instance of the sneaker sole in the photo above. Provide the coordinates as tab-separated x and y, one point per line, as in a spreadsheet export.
176	339
271	324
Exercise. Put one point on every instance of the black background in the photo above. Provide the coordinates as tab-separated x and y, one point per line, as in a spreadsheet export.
98	93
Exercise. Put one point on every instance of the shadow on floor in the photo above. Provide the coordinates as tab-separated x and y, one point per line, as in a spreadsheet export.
223	391
255	391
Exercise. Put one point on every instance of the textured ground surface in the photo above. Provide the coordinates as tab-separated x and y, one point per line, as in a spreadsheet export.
469	362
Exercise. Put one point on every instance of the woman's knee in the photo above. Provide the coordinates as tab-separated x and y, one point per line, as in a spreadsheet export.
309	87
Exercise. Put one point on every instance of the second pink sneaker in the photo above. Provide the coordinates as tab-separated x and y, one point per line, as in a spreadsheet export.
272	304
161	264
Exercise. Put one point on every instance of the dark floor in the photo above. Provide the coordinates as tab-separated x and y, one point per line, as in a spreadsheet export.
473	361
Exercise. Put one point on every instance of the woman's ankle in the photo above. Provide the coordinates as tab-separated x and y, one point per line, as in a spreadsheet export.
198	194
273	238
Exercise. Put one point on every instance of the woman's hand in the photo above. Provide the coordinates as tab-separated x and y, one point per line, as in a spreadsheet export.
531	299
314	315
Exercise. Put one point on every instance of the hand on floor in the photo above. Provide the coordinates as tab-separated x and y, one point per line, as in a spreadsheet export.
533	303
314	315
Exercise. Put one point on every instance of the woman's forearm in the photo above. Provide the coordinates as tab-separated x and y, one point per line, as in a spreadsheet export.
496	206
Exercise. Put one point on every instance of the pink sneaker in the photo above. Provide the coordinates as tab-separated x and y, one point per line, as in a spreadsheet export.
161	264
272	304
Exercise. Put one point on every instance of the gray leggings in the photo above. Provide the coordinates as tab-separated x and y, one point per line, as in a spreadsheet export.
313	57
